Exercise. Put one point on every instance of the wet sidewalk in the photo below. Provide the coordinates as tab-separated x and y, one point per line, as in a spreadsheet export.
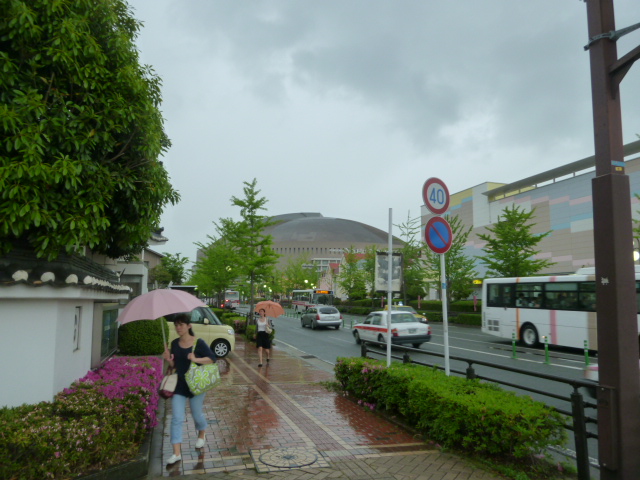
278	421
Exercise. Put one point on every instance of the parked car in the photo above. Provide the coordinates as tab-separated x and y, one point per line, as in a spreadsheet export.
204	323
321	316
407	308
405	328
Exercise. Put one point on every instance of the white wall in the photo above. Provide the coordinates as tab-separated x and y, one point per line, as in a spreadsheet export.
36	345
27	346
71	364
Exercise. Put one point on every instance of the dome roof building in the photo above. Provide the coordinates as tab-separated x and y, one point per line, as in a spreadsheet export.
323	239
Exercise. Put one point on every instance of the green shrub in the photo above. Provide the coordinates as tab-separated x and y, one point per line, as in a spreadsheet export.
142	337
250	333
98	422
238	322
426	304
218	311
466	306
468	319
453	411
433	316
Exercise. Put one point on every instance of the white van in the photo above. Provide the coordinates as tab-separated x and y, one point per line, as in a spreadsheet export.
204	323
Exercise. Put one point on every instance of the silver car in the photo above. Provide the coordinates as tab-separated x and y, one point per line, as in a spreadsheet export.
321	316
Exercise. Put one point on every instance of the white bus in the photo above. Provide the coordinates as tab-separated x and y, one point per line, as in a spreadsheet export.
231	299
302	299
560	309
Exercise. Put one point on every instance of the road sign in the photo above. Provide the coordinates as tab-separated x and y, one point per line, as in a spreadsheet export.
438	235
435	195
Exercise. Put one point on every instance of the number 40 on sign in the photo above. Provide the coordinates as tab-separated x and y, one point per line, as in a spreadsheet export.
435	195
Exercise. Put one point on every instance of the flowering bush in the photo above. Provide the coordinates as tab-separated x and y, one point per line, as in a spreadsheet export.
99	421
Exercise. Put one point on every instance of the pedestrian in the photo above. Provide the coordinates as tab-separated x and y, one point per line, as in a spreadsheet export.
185	350
263	340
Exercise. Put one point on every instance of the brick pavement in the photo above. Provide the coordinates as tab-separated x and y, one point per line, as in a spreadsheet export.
279	422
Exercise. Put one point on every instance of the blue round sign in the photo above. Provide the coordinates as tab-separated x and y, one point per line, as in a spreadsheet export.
438	235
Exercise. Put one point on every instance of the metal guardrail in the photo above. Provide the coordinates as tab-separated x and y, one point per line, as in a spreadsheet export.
577	401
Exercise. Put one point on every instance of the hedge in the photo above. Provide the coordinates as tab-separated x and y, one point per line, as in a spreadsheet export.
453	411
142	337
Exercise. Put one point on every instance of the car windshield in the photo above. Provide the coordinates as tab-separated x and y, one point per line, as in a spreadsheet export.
403	318
328	310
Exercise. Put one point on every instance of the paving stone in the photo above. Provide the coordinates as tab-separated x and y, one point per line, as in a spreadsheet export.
283	408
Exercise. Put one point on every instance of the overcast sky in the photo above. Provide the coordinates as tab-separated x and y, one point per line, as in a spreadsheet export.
347	107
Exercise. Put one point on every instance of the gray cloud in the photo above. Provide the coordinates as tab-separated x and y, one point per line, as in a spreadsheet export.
362	93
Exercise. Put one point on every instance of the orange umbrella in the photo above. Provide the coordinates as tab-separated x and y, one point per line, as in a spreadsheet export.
271	309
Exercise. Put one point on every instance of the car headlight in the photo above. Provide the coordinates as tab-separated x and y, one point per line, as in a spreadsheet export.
230	331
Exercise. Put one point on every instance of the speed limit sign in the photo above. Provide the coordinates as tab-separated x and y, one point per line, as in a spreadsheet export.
435	195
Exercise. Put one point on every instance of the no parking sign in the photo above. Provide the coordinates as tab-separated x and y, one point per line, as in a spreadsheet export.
438	235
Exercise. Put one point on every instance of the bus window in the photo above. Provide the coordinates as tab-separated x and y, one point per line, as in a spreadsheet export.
587	296
500	295
561	295
527	293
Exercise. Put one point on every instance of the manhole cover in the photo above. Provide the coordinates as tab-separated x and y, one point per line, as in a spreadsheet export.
288	458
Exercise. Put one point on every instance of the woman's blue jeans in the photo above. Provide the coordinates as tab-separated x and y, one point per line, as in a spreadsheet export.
179	412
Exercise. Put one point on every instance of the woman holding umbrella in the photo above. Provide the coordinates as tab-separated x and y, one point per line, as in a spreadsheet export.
185	350
263	341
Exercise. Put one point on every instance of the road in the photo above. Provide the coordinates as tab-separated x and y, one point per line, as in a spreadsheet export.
328	344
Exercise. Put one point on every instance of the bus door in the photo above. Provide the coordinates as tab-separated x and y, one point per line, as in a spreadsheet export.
498	316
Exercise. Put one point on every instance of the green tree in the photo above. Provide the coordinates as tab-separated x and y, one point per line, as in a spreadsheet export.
298	270
81	130
369	267
511	247
217	269
459	268
414	272
352	278
256	257
170	270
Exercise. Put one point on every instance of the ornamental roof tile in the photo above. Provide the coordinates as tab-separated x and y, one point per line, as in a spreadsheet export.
23	267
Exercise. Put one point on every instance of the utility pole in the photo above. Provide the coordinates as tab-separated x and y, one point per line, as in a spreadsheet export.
618	352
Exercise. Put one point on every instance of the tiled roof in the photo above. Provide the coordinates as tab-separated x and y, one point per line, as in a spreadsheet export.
23	267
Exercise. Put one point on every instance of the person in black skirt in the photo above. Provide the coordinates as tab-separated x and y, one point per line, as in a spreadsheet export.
263	341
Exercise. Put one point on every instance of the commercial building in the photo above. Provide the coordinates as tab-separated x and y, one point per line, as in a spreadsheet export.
563	204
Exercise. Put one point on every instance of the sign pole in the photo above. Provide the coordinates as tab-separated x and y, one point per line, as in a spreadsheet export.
439	237
389	287
445	319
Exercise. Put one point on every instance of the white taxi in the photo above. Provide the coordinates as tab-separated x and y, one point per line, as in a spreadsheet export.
405	328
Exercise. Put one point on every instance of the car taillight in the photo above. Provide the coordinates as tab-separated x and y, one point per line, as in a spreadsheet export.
394	332
317	317
340	316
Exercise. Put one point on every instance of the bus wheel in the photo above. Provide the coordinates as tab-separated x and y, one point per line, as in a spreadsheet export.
529	335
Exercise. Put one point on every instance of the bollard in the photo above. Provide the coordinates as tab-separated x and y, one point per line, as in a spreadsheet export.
406	358
586	353
514	355
546	350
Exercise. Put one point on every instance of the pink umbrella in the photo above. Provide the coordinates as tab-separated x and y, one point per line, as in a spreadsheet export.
271	309
158	303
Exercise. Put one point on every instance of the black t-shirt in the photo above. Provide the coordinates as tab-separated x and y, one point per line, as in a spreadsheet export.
182	363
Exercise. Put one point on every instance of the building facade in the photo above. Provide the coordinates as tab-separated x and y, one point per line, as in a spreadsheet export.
562	199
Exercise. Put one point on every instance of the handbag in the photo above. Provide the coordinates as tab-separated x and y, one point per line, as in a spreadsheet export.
268	328
168	385
201	378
